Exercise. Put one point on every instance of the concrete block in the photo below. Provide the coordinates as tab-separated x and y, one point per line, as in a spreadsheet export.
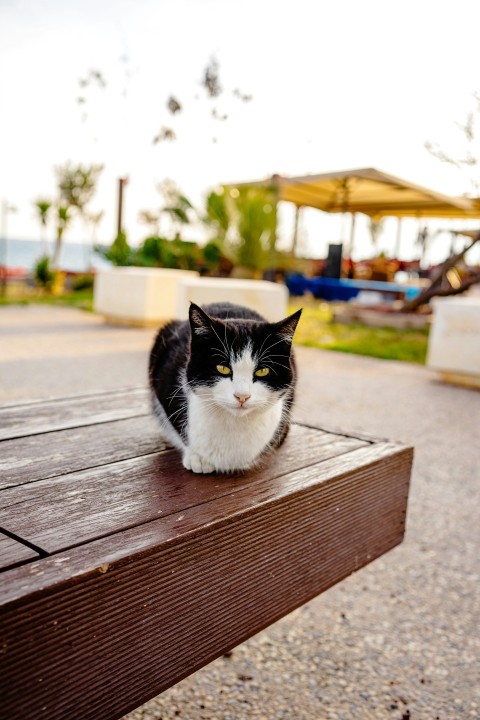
454	342
267	298
138	296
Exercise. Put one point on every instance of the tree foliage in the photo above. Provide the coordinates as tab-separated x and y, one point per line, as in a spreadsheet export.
119	253
77	184
43	206
218	213
176	208
255	219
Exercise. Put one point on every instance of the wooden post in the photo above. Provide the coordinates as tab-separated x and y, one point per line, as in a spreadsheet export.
121	183
295	229
348	250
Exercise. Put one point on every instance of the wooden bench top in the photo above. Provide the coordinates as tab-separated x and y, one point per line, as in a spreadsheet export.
121	572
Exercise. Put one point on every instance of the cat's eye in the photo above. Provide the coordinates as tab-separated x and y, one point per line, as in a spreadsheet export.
224	370
262	372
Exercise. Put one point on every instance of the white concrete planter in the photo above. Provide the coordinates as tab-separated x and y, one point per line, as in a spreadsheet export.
138	296
151	296
267	298
454	342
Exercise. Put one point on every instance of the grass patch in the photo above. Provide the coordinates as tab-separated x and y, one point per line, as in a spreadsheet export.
316	329
23	294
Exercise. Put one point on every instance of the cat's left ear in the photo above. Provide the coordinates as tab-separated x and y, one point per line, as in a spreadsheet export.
286	328
200	322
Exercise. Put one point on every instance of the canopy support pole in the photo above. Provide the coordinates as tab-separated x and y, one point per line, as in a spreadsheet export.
398	238
295	229
351	241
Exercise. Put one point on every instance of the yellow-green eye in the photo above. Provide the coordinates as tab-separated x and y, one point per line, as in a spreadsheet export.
261	372
224	370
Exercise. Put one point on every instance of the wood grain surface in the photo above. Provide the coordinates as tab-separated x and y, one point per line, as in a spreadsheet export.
46	416
13	552
68	510
36	457
146	572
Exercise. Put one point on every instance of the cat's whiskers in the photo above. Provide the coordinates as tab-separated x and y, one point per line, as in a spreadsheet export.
221	355
270	347
183	383
180	409
259	354
225	331
265	363
225	347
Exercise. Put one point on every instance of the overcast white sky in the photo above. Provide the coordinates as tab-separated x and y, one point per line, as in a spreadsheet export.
335	85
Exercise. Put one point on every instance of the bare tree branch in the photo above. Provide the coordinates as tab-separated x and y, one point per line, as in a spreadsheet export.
438	287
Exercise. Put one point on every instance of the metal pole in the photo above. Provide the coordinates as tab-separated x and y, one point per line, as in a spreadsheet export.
398	238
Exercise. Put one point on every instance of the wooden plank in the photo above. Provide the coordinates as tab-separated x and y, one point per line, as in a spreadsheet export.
37	457
14	553
46	416
87	560
192	587
65	511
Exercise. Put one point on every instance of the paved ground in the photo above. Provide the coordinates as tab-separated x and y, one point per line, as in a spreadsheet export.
400	639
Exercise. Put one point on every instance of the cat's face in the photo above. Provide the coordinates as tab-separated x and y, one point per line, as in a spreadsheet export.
241	366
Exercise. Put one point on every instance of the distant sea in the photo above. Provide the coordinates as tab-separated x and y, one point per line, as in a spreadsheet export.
76	257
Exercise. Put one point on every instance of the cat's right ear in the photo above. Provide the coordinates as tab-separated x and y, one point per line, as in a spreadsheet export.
200	322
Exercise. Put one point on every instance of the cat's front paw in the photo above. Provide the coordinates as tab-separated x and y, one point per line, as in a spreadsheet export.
194	462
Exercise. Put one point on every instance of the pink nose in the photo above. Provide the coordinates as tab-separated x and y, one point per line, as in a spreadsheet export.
242	398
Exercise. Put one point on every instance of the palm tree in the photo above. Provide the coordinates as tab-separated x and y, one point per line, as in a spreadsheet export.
63	220
256	223
177	207
151	219
43	206
218	215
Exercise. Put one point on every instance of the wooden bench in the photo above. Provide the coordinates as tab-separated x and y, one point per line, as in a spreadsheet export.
123	573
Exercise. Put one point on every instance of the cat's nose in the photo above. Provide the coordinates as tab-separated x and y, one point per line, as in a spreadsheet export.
242	397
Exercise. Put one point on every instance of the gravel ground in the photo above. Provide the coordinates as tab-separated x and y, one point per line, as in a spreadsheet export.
399	639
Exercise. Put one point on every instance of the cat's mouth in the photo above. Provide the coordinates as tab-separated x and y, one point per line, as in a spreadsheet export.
241	409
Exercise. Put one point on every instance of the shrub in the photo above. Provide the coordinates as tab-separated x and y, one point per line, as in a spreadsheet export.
43	274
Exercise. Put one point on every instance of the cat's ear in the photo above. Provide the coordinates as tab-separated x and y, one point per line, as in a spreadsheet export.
286	328
200	322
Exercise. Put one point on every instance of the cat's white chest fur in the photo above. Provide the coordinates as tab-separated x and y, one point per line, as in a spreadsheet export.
221	441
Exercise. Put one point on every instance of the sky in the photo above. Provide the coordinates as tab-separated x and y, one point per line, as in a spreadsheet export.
333	86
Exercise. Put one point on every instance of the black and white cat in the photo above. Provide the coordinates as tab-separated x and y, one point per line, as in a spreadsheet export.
223	385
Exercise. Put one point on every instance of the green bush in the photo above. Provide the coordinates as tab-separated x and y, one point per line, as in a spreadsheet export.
83	282
119	253
159	252
43	274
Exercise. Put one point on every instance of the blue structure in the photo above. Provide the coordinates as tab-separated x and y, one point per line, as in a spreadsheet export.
343	289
